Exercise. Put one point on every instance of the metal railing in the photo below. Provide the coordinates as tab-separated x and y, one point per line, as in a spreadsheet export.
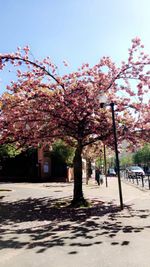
137	179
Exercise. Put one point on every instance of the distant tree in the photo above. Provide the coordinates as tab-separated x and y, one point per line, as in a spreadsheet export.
142	156
9	151
126	160
63	151
91	153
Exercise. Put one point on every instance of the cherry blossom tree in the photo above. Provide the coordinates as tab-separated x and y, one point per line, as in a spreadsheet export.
42	106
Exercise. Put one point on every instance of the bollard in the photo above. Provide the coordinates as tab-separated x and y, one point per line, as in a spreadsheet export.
137	180
133	179
142	180
148	182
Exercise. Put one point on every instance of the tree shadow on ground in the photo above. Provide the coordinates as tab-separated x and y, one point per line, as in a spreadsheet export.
43	223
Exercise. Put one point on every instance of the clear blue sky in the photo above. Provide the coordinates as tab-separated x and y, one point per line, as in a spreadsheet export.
78	31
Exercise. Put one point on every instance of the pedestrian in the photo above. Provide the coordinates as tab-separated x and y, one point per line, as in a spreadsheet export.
97	176
100	177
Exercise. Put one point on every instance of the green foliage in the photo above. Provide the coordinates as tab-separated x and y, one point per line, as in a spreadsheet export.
31	151
64	152
9	151
111	161
126	160
142	156
99	162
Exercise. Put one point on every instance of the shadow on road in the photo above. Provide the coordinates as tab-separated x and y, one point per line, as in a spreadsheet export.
42	223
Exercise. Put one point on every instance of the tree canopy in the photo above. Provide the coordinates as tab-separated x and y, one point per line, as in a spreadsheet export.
45	106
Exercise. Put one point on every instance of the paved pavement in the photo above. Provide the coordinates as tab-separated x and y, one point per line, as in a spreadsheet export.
38	230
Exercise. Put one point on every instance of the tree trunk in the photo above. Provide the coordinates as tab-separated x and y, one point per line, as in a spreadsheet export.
78	198
88	170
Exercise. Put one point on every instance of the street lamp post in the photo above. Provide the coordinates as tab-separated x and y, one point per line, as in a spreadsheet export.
117	156
105	165
103	103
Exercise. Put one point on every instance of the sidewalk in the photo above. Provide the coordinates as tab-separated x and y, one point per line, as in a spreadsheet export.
35	231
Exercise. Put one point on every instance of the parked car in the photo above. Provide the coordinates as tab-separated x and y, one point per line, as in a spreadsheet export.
111	172
135	171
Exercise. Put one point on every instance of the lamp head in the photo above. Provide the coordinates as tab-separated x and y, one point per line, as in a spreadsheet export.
103	100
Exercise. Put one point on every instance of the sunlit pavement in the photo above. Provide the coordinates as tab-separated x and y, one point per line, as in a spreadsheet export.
38	230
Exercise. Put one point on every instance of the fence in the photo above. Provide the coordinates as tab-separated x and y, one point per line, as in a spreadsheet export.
140	180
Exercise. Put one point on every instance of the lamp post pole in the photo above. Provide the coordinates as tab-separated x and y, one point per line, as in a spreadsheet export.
105	164
116	153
